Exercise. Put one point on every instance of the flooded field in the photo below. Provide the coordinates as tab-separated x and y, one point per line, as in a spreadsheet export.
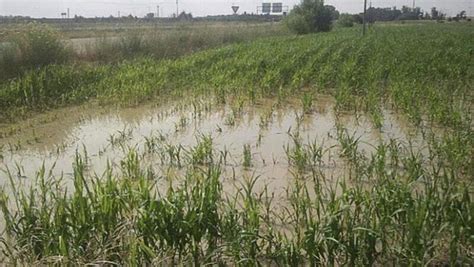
318	150
260	140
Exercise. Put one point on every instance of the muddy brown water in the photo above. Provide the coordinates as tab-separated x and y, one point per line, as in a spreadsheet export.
107	134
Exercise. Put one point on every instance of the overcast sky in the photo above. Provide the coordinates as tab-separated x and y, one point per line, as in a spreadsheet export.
99	8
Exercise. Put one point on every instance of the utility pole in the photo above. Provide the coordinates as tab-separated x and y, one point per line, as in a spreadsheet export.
414	5
68	13
158	11
177	9
364	18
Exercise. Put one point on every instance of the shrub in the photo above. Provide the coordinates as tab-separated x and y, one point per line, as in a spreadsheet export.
40	45
310	16
345	20
8	61
31	47
133	44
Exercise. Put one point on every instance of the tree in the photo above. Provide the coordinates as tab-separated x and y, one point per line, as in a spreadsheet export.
185	16
358	18
310	16
334	13
149	16
382	14
434	13
462	15
406	10
410	13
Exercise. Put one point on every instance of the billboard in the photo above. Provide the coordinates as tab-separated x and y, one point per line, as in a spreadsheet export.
277	7
266	8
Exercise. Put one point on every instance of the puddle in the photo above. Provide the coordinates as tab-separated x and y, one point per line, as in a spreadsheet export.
107	135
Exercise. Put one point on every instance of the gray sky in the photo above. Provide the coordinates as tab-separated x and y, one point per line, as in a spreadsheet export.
92	8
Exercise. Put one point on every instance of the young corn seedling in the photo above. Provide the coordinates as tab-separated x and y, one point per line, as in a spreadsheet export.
307	102
247	155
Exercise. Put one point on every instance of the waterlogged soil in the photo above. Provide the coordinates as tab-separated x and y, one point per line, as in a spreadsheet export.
105	136
81	45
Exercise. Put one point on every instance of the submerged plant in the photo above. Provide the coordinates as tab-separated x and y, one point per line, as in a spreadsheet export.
307	102
202	153
349	144
141	221
247	154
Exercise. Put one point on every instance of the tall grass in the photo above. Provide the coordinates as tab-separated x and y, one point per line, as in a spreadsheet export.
37	45
173	43
32	46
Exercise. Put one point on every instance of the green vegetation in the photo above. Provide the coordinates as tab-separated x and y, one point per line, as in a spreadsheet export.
362	73
410	215
310	16
307	102
346	20
32	46
396	203
171	44
247	156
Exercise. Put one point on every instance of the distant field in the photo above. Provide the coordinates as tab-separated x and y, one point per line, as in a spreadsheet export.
324	149
109	43
99	29
244	31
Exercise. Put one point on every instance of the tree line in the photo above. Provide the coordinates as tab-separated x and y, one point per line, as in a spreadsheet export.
314	16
